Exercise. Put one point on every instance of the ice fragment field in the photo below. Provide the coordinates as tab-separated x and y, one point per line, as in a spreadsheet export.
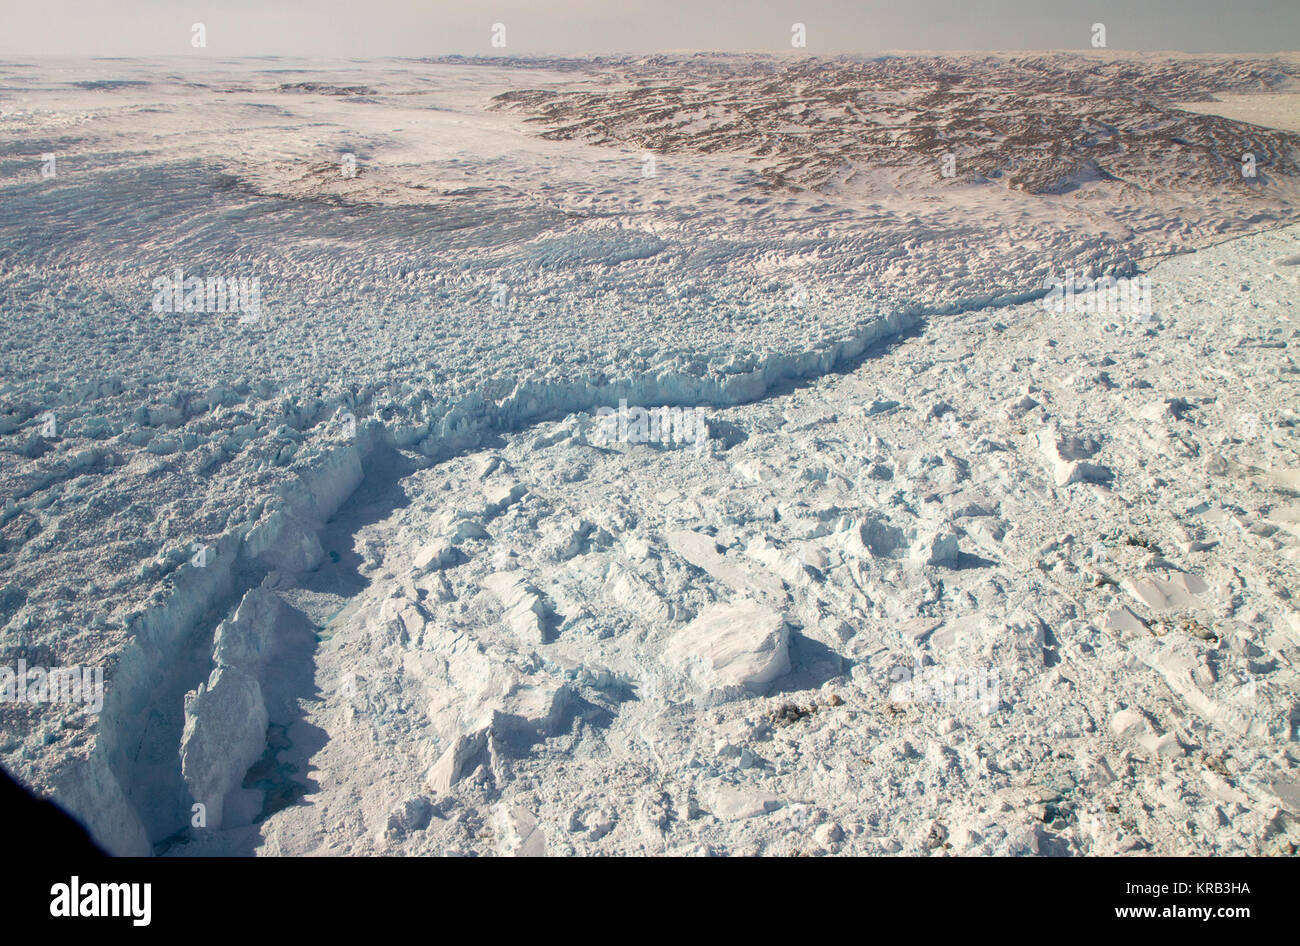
951	571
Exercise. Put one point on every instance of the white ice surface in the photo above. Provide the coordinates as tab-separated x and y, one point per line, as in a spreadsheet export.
381	352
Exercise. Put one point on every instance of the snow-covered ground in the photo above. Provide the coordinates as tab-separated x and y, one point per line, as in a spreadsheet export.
942	576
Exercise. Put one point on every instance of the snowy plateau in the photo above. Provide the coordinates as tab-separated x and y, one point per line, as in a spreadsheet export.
333	439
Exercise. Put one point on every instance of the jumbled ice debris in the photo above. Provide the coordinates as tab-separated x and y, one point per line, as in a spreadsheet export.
666	425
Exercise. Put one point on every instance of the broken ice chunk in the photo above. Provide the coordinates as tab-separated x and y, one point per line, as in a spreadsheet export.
1066	456
731	649
936	548
527	614
435	555
1179	591
1124	622
736	803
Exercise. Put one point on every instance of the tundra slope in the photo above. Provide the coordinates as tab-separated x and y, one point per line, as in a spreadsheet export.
1038	123
184	428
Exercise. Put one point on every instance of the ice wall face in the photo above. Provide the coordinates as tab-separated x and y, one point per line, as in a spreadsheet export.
173	734
226	718
225	733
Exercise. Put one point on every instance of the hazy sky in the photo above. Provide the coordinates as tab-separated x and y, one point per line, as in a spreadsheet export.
434	27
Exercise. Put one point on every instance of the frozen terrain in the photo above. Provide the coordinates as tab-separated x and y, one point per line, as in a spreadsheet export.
509	678
364	577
